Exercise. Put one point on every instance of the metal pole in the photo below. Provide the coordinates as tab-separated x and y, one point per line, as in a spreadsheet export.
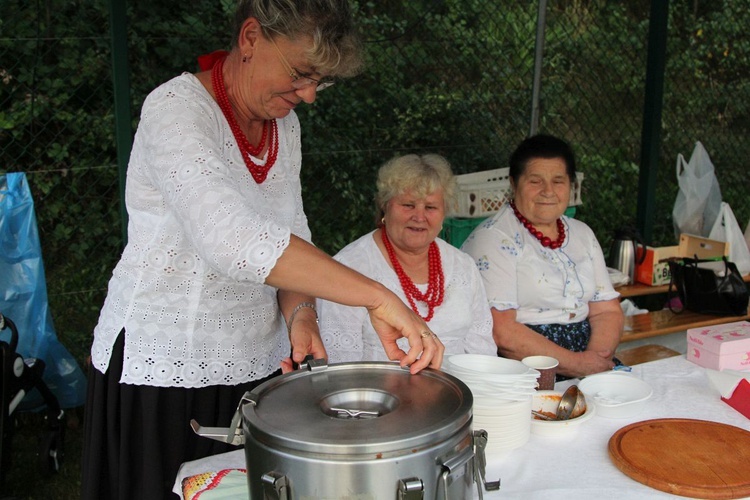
541	21
121	85
652	107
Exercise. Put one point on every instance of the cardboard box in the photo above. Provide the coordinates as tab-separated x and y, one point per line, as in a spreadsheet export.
654	270
720	347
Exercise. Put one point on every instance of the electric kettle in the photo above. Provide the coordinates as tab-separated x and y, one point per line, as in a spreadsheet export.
624	253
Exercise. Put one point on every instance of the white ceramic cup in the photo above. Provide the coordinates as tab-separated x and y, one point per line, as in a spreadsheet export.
547	368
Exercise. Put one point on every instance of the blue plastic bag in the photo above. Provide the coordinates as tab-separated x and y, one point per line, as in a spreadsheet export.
23	293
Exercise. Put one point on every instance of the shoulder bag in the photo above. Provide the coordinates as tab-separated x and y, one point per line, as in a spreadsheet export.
709	286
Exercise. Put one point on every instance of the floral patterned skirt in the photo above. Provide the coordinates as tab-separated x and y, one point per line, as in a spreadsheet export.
572	336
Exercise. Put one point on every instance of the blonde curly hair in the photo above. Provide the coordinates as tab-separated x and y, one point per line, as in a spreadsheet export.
420	175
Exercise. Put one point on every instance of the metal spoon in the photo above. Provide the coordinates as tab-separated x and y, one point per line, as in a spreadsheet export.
568	403
542	415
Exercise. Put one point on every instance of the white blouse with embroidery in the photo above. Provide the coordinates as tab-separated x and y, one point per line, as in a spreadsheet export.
545	286
202	238
463	322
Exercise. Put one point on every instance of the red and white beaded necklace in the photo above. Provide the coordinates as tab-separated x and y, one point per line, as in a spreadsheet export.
546	241
248	151
433	297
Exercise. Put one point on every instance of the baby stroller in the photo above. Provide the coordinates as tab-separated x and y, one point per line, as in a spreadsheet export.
19	377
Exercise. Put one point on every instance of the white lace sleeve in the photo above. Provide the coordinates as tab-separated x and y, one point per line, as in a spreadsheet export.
344	329
341	330
183	154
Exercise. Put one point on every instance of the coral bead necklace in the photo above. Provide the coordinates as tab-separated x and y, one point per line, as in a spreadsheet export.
433	297
248	151
546	241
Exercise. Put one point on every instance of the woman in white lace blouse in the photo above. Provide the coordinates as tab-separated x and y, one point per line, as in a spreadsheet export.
438	281
218	251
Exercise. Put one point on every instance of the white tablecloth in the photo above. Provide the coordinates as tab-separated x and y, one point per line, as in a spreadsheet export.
577	466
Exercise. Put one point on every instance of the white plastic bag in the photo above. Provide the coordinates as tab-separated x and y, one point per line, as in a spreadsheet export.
699	199
630	309
726	228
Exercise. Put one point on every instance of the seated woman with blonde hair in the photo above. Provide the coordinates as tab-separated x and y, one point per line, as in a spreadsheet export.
438	281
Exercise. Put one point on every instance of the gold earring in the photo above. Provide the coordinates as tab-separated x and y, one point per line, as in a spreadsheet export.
382	221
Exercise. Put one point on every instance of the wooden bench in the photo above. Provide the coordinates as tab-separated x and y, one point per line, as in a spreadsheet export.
639	289
645	353
655	323
664	322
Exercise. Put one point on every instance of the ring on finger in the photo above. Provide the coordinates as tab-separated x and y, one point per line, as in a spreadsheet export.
426	334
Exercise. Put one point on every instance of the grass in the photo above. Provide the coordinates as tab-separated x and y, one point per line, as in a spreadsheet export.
24	479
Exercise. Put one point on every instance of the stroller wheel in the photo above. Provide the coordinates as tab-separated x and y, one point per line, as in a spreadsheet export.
51	452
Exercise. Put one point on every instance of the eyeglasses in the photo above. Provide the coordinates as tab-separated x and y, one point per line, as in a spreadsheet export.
299	81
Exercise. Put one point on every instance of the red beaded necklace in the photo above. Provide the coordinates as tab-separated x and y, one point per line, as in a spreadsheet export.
248	151
546	241
433	297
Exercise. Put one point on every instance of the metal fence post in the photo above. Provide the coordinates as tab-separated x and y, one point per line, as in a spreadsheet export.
652	108
121	84
538	58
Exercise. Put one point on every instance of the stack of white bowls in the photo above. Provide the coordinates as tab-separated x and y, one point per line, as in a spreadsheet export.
503	390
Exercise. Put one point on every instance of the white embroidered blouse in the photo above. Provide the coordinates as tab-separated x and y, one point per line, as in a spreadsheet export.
202	238
545	286
463	322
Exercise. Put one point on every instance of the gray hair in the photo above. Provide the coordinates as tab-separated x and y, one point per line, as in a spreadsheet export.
422	175
336	49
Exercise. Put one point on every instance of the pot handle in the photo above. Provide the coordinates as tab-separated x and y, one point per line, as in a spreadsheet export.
480	463
454	464
232	434
217	433
275	486
410	489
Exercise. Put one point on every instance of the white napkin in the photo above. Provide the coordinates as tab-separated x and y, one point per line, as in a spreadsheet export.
617	277
630	309
726	381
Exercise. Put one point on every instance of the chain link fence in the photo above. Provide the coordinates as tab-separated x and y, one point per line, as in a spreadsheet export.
447	76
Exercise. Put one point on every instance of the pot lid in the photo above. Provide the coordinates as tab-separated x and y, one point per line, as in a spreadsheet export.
359	407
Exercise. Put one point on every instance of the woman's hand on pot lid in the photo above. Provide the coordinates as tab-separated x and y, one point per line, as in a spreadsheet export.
392	319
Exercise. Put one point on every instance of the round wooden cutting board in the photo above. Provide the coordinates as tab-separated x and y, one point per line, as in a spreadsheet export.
692	458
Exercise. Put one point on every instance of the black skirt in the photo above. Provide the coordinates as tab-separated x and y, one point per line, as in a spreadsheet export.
136	437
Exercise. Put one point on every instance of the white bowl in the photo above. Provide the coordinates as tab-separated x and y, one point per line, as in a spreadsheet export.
489	366
547	402
616	395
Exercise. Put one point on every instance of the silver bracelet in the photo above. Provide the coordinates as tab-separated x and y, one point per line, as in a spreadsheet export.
296	310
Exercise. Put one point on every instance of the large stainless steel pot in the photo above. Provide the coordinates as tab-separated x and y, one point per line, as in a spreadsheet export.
366	430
